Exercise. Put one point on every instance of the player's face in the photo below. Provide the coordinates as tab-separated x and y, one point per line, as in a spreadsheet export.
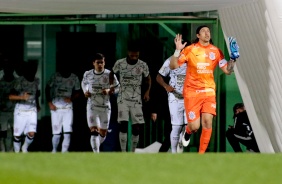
133	56
204	35
99	64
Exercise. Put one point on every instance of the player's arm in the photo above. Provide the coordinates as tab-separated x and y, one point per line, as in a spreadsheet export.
147	93
114	88
161	81
234	55
85	86
229	67
178	47
14	96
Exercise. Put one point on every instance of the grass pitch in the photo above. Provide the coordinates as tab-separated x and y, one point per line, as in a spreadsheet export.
123	168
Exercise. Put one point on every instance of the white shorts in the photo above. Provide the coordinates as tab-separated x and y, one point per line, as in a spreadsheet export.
98	118
6	120
134	113
62	119
177	111
24	121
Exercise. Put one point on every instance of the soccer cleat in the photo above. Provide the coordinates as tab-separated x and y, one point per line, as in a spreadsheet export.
179	147
185	142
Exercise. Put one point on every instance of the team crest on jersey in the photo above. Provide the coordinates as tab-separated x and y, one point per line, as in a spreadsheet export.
138	70
192	115
212	55
105	79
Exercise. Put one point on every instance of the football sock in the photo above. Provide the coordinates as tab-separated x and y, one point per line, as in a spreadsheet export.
102	139
28	140
205	139
17	144
123	141
174	137
95	143
134	142
66	142
55	142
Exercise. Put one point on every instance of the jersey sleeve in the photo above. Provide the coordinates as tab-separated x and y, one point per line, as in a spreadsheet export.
165	69
116	84
183	55
76	84
84	83
221	61
146	70
115	68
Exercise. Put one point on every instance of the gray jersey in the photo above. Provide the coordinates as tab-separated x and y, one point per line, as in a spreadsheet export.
24	86
62	88
130	80
177	77
6	105
95	83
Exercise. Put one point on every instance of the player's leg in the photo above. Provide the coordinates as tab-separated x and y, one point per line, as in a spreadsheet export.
19	126
233	141
208	112
30	130
137	118
192	110
28	140
176	123
67	121
9	139
92	124
104	125
56	121
123	117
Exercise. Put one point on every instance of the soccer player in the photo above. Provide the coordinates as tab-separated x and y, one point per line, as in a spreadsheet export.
175	101
131	70
7	106
26	92
62	88
95	85
201	58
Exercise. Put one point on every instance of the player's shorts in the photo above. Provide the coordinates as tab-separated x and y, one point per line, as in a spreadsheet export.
177	111
24	121
62	120
135	113
98	118
194	106
6	120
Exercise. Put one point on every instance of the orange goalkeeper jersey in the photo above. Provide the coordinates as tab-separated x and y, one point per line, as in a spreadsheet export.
201	62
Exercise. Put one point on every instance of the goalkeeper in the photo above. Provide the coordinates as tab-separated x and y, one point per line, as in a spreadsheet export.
201	57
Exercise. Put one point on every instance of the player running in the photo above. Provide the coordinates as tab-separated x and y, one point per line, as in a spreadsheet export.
95	85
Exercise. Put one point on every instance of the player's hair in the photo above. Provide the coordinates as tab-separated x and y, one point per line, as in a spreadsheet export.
198	31
98	56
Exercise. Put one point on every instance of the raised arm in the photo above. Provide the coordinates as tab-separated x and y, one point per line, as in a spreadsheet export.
178	47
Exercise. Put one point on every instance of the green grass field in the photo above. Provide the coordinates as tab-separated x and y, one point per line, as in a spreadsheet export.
106	168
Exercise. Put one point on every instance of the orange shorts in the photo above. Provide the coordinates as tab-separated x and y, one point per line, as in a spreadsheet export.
194	106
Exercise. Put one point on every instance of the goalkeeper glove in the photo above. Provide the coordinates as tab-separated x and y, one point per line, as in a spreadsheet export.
234	48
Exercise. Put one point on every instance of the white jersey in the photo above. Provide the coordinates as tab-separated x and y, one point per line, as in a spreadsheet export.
177	77
24	86
95	83
62	88
130	80
6	105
